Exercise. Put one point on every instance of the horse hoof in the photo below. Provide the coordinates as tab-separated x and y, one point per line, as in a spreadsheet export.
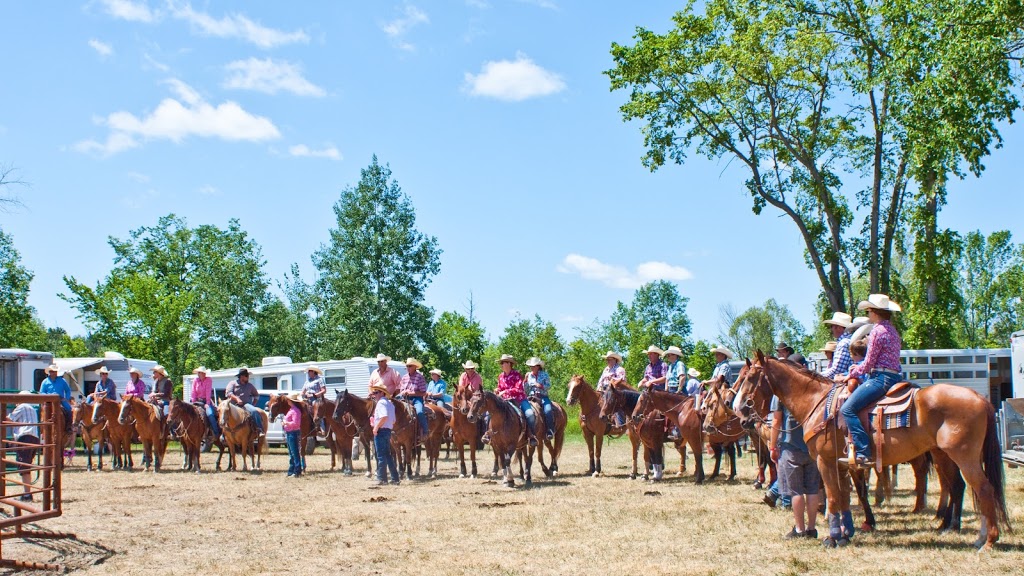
828	543
844	541
865	527
597	475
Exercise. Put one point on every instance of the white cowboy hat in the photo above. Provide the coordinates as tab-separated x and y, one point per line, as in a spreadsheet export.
879	302
723	350
693	372
160	369
315	368
652	349
674	350
200	370
383	358
534	361
507	358
436	371
413	362
379	388
102	370
469	365
295	396
830	346
53	368
840	319
616	355
134	370
858	322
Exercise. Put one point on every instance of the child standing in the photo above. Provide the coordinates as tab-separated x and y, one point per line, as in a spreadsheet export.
292	424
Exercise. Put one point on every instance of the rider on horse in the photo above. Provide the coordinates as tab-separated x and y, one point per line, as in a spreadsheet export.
675	370
243	393
105	386
413	388
163	391
839	325
537	385
54	384
612	375
510	388
654	374
136	387
202	394
314	390
437	388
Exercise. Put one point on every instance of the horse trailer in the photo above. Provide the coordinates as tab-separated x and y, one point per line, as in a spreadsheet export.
22	369
82	377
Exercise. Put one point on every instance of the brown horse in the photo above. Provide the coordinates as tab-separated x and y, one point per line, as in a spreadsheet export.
616	400
681	411
191	430
105	412
92	432
507	432
279	405
360	410
955	420
651	431
465	432
720	419
241	434
594	428
149	426
340	434
553	444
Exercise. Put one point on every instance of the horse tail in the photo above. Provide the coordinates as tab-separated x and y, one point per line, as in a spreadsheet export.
992	460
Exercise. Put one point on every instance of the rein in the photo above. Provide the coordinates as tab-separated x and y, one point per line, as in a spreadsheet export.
814	409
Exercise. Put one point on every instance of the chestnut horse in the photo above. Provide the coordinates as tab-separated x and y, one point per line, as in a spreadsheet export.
92	432
149	426
680	409
436	425
615	400
105	411
465	432
594	428
554	444
241	434
360	410
507	432
719	416
340	434
191	430
956	421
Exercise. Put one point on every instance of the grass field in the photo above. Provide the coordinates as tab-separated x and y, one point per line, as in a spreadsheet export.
325	523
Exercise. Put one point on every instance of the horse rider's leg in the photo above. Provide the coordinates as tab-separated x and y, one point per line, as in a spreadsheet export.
549	417
531	421
870	390
421	416
255	416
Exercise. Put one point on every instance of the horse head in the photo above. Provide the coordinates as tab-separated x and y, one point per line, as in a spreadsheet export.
642	405
475	408
609	403
753	394
97	407
277	406
574	386
342	403
715	408
125	412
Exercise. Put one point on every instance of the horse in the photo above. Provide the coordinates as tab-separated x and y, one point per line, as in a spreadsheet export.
359	410
105	411
340	434
719	418
651	432
279	405
465	432
149	426
191	430
241	434
553	444
614	400
593	427
683	413
956	423
507	432
92	432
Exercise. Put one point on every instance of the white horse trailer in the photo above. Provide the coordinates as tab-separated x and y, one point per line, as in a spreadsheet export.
1011	414
22	369
279	375
984	370
82	377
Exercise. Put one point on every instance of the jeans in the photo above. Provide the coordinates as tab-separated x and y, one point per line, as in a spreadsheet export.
867	392
527	410
421	415
211	419
382	447
549	413
294	459
773	490
252	410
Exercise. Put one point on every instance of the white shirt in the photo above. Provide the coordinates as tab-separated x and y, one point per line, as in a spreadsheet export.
384	409
26	414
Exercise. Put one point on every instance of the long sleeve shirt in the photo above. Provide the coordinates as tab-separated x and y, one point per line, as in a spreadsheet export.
471	381
292	419
510	386
58	386
414	384
202	390
616	372
884	346
537	385
841	360
135	388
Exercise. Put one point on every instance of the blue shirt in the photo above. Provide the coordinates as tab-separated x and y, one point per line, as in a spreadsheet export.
59	387
109	387
537	386
722	369
692	386
672	374
791	437
439	387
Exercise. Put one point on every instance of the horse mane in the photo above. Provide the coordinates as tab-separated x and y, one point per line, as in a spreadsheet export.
802	371
503	405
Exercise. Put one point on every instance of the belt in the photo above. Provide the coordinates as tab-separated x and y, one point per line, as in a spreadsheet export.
886	370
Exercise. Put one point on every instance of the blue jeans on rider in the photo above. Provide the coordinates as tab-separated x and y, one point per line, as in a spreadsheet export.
385	460
211	419
421	415
877	384
549	413
527	409
294	458
252	410
773	491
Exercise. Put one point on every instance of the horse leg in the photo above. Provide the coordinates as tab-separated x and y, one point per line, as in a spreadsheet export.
921	466
860	484
599	444
733	450
718	460
529	465
589	437
831	482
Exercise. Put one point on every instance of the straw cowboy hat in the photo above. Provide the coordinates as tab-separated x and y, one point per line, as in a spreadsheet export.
102	370
534	361
830	346
53	368
200	370
25	392
134	370
469	365
879	302
413	362
160	369
383	358
616	355
379	388
507	358
723	350
652	349
436	371
693	372
295	396
674	350
315	368
858	322
840	319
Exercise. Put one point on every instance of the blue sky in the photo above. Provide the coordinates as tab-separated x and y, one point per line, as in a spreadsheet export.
494	115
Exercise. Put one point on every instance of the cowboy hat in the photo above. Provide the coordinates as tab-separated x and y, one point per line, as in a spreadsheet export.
379	388
675	351
242	372
134	370
469	365
652	349
858	322
840	319
200	370
534	361
413	362
830	346
436	371
616	355
160	369
53	368
102	370
693	372
507	358
315	368
295	396
383	358
879	302
782	346
722	350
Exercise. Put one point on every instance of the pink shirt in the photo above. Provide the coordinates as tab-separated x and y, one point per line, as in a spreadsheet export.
202	389
389	379
292	419
510	386
884	345
474	382
135	388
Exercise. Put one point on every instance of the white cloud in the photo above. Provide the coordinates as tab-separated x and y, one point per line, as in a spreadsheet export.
101	48
177	120
397	29
236	26
129	10
547	4
618	276
137	177
209	190
302	150
513	80
270	76
149	60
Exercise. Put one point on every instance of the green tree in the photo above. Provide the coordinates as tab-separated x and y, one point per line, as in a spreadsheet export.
761	327
373	274
702	359
63	345
278	331
19	328
177	294
453	340
524	338
656	316
986	272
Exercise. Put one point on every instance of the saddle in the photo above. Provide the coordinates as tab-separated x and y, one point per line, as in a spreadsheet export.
894	410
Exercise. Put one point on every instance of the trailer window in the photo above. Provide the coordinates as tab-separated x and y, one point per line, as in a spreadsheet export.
269	383
334	377
966	374
963	359
37	378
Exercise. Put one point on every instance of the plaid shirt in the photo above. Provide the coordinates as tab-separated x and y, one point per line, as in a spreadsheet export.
884	345
722	369
510	386
414	384
654	371
841	360
607	374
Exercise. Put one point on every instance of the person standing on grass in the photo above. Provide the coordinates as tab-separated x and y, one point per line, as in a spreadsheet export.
798	472
383	421
27	435
292	426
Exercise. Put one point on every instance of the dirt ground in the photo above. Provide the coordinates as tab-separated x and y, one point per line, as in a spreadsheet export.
325	523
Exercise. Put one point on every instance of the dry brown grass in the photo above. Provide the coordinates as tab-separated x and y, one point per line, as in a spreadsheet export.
238	523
